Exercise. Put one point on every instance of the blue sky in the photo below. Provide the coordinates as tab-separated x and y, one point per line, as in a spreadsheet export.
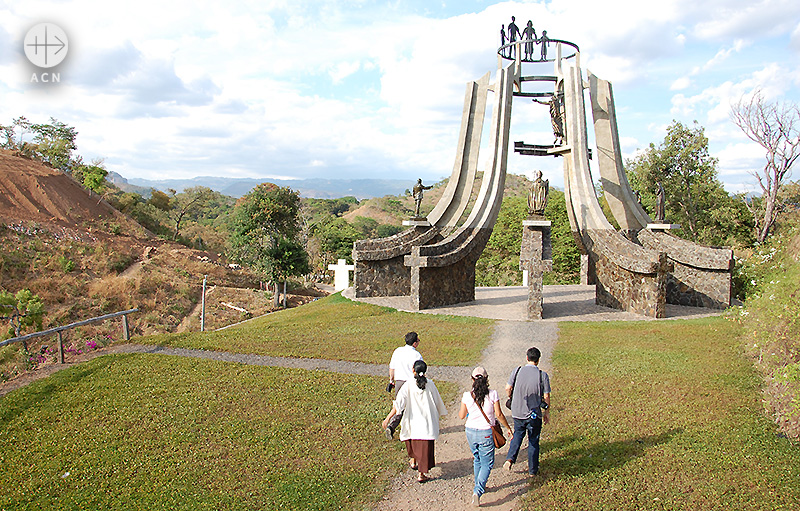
370	89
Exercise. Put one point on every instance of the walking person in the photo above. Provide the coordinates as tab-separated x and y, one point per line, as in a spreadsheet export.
420	406
481	408
401	369
529	390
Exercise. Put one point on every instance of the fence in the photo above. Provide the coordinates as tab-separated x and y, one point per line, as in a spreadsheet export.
57	330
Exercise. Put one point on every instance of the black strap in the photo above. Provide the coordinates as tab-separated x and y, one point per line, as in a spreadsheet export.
514	382
481	409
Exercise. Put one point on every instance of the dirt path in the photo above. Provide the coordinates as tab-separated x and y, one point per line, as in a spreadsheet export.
452	483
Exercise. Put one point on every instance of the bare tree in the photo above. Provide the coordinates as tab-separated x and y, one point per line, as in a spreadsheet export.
775	126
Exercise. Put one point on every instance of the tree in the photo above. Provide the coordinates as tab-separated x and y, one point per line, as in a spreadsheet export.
191	199
775	127
261	219
289	260
23	309
335	237
93	175
687	171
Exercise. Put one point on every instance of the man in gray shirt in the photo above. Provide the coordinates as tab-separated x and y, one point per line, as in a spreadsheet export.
529	390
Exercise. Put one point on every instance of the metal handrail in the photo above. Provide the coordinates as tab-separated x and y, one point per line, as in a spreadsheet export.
57	330
505	50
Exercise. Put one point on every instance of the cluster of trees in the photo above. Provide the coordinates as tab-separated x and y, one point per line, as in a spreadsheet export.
695	198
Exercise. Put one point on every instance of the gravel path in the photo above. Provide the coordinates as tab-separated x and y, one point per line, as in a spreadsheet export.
451	486
446	373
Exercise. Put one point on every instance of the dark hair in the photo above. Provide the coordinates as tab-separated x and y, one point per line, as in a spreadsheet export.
420	367
411	338
480	389
533	354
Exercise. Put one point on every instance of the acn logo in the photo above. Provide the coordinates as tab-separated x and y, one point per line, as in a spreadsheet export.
46	45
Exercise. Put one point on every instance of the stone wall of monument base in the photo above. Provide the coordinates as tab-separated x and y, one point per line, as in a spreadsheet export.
699	287
619	288
387	277
454	283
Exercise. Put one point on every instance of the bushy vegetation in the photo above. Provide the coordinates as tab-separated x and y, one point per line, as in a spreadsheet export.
770	279
499	263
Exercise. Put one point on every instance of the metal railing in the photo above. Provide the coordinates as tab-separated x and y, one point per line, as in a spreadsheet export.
59	329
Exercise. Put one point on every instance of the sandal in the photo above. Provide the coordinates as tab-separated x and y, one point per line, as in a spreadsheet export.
412	463
423	478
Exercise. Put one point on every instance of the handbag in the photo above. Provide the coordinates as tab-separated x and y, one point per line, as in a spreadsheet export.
497	431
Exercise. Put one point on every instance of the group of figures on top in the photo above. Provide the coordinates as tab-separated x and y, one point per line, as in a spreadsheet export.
528	35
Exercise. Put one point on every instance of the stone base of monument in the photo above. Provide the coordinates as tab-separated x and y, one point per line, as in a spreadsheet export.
444	274
379	268
536	257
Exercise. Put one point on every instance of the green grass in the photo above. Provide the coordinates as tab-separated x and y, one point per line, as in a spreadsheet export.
664	415
156	432
335	328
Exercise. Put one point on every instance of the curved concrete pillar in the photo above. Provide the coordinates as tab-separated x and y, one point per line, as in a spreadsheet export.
627	276
701	276
443	273
379	268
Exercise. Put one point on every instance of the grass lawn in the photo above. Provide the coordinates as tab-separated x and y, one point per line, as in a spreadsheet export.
660	415
153	432
336	328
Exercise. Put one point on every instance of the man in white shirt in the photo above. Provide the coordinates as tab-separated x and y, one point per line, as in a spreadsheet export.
401	369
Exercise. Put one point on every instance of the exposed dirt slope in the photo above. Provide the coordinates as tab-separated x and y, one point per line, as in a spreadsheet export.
33	192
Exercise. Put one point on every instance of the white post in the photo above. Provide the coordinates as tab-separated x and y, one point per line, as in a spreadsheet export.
524	278
341	274
203	307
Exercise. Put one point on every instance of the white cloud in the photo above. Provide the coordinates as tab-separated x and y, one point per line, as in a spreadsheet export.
681	83
746	19
365	88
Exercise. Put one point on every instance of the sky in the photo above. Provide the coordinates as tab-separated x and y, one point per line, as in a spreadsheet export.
374	89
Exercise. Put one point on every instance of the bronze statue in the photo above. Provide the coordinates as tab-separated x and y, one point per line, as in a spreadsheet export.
556	118
537	195
543	41
513	34
417	194
660	203
529	35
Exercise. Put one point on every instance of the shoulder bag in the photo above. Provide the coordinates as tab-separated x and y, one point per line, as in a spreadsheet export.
497	431
513	382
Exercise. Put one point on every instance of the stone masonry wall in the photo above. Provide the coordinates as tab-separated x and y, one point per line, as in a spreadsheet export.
698	287
387	277
618	288
437	286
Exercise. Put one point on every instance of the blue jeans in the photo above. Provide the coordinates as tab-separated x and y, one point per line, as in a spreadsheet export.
532	428
482	446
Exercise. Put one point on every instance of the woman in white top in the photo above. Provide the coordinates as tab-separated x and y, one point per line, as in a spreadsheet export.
479	428
421	406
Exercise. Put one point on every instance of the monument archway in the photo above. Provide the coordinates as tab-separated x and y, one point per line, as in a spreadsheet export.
636	270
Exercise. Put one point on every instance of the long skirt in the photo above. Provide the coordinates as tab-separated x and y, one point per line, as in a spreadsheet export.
422	452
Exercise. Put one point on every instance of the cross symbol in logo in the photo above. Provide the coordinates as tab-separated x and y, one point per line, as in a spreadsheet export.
46	45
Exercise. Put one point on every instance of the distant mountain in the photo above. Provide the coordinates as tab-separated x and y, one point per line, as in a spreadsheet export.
236	187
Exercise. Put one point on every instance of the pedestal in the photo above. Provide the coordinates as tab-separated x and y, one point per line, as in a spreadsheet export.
535	259
417	222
